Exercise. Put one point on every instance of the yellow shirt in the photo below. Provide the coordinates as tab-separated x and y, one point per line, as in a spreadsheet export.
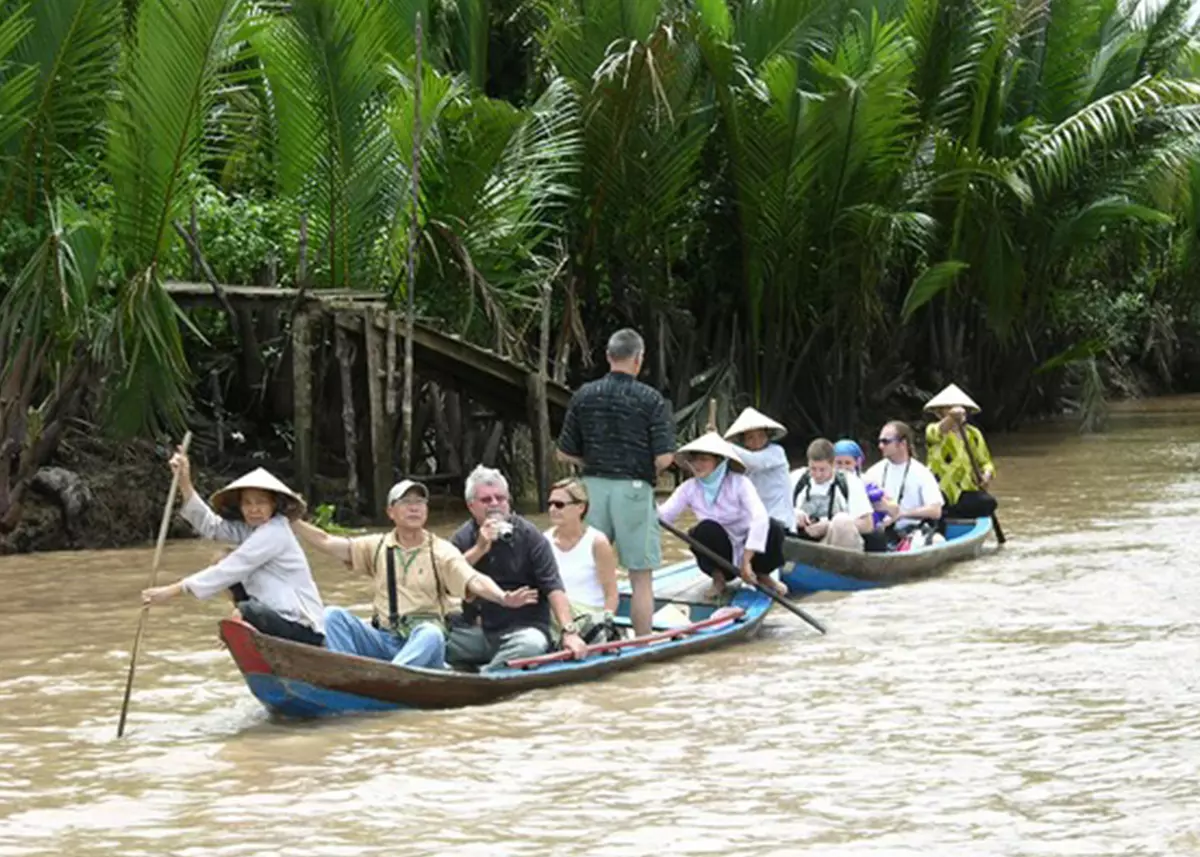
948	458
417	589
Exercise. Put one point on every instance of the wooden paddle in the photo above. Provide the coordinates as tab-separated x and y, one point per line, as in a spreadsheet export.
727	566
162	537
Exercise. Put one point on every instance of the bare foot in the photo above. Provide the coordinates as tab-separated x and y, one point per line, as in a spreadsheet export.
772	584
717	589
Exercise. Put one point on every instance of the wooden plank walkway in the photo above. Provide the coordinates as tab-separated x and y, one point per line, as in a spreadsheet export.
498	382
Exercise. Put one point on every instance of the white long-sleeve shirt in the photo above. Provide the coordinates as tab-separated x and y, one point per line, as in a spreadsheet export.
767	470
268	562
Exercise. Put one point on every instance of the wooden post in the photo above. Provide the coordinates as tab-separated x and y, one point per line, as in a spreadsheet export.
390	362
345	357
381	448
539	426
302	402
218	410
406	407
302	253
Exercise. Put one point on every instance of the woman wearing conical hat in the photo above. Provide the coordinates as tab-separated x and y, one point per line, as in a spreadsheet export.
753	435
958	456
733	521
268	572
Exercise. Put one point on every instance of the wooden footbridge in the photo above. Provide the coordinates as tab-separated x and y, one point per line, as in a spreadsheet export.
368	335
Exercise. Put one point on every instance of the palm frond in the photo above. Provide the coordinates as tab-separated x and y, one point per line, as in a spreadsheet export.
16	81
1062	152
168	81
73	47
325	62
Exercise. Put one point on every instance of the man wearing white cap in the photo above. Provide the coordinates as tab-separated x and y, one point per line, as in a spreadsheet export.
419	579
268	572
753	434
959	456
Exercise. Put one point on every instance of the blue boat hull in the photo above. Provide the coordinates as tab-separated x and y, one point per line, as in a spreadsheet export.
839	570
294	680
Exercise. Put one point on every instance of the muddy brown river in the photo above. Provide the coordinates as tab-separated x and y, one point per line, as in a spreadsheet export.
1041	700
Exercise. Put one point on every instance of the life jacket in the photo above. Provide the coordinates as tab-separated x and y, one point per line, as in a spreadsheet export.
839	484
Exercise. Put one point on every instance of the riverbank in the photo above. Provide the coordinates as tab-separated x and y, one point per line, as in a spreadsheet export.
110	494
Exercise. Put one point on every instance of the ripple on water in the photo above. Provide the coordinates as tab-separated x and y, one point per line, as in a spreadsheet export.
1038	701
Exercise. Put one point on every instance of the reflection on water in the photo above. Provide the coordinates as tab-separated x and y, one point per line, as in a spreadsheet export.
1040	700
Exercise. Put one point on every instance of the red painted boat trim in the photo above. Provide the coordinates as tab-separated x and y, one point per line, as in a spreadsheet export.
239	637
722	617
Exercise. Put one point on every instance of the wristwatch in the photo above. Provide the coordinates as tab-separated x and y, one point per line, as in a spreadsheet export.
570	628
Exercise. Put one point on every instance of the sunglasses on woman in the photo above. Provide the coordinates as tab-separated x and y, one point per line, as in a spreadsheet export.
561	504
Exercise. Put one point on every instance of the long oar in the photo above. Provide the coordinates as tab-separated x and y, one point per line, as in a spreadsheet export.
727	566
162	538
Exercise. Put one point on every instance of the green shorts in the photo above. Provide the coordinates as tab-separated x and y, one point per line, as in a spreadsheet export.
624	510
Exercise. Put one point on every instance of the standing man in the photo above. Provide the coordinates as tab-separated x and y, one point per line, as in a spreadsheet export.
958	456
622	433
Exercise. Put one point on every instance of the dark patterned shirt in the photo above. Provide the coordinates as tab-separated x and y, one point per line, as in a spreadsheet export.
618	425
527	560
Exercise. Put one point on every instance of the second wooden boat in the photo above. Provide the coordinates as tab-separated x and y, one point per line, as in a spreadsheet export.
819	568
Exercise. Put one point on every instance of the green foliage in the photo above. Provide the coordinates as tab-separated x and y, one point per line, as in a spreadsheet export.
324	517
852	196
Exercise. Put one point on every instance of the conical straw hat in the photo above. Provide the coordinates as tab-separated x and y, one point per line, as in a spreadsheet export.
751	419
289	503
713	444
952	397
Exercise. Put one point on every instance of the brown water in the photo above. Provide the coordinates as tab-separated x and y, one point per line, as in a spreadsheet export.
1039	701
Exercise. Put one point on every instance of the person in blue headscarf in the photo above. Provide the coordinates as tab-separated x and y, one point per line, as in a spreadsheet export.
848	457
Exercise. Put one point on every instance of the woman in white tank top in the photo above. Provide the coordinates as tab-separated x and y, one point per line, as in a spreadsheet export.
585	557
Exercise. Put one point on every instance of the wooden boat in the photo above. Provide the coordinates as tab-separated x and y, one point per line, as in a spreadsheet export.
305	681
820	568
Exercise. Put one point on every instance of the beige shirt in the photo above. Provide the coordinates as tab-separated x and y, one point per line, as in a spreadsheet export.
417	590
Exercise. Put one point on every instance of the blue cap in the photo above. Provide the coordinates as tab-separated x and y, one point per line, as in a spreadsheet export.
848	447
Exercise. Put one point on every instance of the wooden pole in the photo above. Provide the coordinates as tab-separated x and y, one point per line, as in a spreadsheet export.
406	406
542	441
381	447
302	402
345	358
302	253
158	549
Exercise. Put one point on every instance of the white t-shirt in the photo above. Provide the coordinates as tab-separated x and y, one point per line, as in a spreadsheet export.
815	498
911	485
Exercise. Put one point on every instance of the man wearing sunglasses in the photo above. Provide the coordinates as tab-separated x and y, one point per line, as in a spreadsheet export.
910	491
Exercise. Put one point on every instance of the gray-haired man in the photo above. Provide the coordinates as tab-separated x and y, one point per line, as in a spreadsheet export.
622	433
513	553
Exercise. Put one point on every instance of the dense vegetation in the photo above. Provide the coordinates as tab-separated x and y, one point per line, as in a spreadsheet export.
820	205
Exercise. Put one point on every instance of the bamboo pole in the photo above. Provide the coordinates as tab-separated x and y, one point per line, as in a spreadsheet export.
345	358
158	549
381	439
302	402
406	406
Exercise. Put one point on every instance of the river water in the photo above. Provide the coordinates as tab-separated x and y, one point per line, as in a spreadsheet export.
1041	700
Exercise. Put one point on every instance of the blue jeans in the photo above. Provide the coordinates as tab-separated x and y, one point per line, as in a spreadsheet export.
345	632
